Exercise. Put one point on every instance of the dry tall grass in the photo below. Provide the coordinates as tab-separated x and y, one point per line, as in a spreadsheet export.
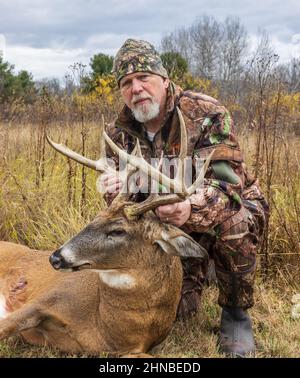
41	205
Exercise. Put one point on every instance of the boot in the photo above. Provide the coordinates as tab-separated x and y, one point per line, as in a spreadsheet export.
236	335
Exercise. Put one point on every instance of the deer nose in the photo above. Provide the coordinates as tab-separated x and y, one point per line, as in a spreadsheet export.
56	259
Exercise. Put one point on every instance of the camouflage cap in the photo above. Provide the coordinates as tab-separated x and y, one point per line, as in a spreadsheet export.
137	56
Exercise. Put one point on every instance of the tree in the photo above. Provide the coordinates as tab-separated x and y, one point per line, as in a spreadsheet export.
24	86
175	64
52	85
178	41
290	74
101	64
232	49
6	80
15	86
213	50
206	37
232	56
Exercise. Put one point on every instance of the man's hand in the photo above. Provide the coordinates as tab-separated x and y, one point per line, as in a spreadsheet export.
176	214
111	183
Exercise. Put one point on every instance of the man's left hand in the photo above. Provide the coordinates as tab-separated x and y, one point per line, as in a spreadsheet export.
177	213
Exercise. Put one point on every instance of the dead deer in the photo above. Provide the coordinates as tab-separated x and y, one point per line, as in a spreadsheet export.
116	285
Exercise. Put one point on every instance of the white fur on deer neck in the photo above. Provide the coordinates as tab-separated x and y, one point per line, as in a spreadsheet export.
3	311
117	280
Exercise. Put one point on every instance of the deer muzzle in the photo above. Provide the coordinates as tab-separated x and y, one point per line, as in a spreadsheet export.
57	261
67	263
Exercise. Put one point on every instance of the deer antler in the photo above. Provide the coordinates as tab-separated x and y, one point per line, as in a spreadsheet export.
135	161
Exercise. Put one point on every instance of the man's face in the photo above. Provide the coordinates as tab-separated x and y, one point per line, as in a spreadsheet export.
145	94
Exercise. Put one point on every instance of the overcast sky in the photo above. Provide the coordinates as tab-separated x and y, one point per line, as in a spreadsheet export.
46	36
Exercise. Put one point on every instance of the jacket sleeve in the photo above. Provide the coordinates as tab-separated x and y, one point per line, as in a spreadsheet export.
222	193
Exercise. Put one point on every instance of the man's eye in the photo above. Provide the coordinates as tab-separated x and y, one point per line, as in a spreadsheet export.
125	85
144	78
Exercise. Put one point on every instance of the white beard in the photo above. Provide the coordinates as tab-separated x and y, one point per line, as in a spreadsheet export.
146	113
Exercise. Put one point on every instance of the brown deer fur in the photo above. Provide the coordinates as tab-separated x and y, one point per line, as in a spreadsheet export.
83	311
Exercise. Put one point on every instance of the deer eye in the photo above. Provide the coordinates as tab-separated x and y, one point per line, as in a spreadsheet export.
118	232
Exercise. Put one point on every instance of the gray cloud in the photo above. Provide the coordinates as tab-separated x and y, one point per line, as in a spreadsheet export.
44	23
95	26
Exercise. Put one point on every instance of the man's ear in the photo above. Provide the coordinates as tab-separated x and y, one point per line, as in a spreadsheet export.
166	83
177	243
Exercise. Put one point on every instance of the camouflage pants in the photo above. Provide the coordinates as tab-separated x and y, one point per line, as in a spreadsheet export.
232	246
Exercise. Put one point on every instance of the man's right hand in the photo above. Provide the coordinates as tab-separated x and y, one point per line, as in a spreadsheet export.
110	183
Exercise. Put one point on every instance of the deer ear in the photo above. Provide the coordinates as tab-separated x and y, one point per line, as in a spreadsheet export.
181	244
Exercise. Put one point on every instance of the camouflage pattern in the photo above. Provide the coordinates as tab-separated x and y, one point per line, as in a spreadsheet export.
137	56
228	214
194	279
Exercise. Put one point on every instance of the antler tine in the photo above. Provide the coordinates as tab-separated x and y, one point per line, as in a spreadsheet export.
102	141
180	175
129	170
125	175
160	163
98	165
201	175
158	167
183	135
137	149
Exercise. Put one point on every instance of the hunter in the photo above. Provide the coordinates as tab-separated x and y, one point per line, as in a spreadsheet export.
226	215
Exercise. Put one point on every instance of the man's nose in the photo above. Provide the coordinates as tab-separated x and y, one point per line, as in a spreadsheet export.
137	86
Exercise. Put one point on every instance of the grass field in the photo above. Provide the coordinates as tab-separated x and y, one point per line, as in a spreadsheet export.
42	205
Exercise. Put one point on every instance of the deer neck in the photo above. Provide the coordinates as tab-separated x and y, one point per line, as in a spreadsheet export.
140	302
144	280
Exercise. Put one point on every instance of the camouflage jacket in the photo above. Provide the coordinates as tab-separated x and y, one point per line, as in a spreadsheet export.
209	125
